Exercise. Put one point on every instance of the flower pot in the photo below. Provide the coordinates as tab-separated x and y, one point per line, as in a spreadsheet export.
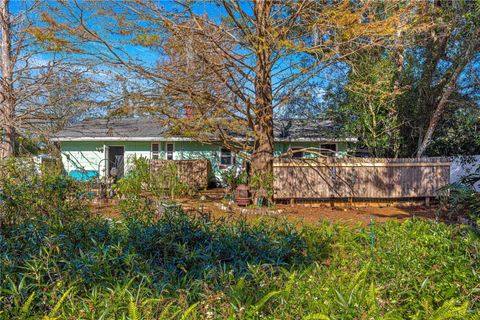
243	196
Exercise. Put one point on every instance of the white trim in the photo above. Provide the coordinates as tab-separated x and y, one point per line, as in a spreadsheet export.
153	139
232	157
55	139
166	149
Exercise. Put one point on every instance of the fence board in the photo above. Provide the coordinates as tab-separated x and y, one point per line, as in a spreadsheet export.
194	173
363	178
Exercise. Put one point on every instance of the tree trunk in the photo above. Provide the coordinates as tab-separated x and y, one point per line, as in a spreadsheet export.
442	103
399	59
7	94
262	156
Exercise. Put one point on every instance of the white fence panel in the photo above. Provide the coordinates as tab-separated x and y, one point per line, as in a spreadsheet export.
463	166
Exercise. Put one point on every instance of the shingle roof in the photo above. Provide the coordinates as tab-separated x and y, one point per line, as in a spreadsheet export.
307	129
112	128
150	129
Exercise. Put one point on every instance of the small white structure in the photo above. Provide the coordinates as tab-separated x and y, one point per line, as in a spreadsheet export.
463	166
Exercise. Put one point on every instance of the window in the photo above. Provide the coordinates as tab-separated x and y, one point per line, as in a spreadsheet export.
155	150
297	153
226	157
170	148
328	149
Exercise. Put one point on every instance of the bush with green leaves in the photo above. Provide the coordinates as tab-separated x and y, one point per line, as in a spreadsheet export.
25	193
101	268
232	179
419	270
141	190
166	183
196	267
137	179
460	199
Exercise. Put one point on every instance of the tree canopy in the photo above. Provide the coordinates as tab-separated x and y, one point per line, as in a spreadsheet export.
400	75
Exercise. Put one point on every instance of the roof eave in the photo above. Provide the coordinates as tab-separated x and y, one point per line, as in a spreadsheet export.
331	140
86	139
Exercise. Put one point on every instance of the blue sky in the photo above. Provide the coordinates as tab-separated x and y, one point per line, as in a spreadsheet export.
149	56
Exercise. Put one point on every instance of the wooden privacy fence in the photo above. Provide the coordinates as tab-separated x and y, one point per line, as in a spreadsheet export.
359	178
194	173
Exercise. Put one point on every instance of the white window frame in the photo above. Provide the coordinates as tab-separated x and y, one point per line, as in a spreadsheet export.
152	154
166	150
232	158
334	154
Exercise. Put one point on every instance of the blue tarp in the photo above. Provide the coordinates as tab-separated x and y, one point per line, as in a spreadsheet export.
83	175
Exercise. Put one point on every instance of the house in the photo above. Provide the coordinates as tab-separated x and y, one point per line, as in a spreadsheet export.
96	146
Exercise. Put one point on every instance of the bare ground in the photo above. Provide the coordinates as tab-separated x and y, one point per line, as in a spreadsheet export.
313	213
303	214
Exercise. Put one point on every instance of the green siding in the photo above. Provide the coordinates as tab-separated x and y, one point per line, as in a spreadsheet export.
82	155
87	155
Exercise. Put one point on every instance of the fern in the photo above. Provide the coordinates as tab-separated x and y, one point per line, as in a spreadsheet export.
132	310
450	310
190	309
60	303
317	316
475	316
25	310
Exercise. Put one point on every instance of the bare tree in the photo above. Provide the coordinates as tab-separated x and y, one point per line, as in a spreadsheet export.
70	94
226	71
24	70
7	94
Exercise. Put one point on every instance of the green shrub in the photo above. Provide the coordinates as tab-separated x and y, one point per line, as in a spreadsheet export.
98	268
54	262
166	184
198	267
26	194
137	180
138	208
141	191
420	270
459	200
232	179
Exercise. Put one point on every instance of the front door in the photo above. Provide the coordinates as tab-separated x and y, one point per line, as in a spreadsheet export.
116	161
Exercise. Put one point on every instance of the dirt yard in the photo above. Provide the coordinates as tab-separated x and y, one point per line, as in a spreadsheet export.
300	213
313	213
